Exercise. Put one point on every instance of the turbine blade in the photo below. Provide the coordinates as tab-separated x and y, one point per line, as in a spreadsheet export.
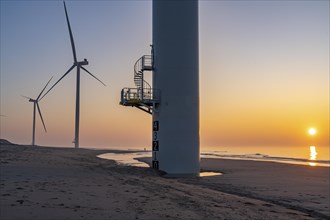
26	97
57	81
44	89
41	117
71	36
92	75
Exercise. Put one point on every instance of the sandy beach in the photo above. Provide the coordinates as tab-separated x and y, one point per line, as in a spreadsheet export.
65	183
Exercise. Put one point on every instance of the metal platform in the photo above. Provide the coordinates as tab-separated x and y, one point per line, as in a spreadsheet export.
143	99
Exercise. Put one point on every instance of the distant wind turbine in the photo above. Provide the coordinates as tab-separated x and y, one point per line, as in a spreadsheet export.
36	106
79	66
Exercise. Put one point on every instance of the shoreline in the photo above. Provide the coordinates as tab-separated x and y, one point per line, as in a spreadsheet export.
55	183
253	157
296	186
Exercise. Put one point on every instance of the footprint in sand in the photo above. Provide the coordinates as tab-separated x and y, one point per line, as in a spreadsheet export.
20	201
249	203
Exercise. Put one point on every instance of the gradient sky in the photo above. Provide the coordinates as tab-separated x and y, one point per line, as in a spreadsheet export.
264	71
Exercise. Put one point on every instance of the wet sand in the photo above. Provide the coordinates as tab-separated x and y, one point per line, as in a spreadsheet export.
306	188
62	183
300	187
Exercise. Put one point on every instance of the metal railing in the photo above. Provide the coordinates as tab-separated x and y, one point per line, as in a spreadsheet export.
135	96
144	63
147	62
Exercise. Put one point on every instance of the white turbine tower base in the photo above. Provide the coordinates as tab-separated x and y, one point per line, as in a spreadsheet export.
176	76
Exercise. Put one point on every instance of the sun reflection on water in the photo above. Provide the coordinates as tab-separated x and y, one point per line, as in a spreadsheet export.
206	174
312	155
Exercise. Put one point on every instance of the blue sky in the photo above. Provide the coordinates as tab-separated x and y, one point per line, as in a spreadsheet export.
264	66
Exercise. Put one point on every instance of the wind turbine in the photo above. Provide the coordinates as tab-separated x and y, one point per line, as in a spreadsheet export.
79	65
36	106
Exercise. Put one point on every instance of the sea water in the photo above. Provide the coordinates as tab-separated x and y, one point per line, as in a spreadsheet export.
307	155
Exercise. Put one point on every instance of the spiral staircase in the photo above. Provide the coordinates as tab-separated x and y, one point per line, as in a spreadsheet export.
143	97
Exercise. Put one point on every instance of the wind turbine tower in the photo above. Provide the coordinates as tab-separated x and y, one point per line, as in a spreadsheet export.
176	75
79	65
173	99
35	107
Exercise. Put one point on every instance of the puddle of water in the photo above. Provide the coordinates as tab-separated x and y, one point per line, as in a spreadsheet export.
127	159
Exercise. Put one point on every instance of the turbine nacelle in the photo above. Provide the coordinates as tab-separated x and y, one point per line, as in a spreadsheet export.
31	99
82	63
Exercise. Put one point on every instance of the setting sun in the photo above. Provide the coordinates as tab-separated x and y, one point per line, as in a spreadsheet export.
312	131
